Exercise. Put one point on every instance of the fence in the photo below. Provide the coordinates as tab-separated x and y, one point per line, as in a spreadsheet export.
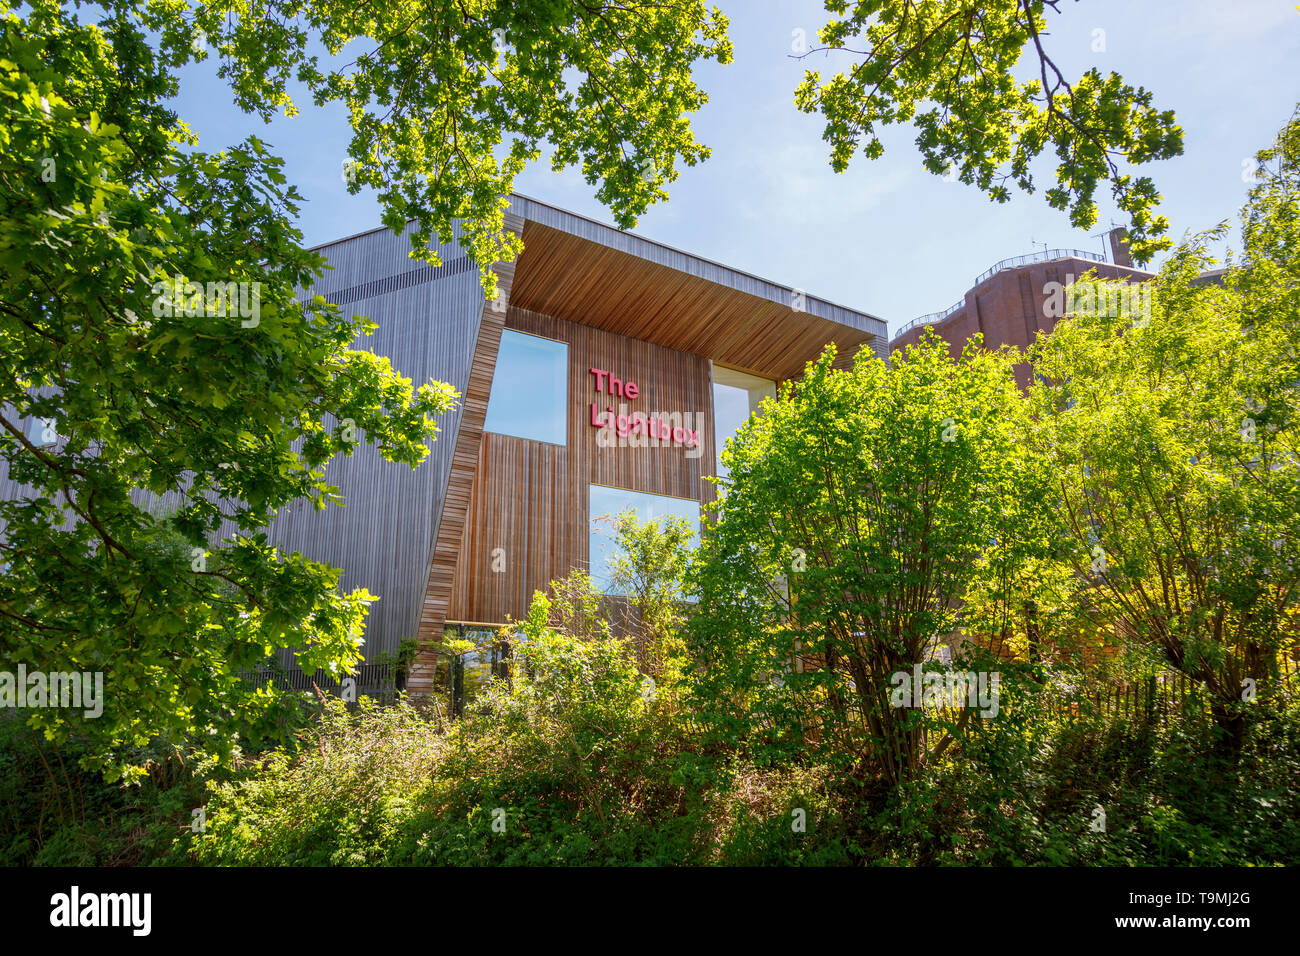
1157	698
370	678
931	318
1163	697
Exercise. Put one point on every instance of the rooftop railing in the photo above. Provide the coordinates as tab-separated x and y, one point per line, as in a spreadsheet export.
932	317
1047	255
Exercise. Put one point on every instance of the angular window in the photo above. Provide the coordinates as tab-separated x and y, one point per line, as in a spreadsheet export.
529	389
736	396
607	504
459	680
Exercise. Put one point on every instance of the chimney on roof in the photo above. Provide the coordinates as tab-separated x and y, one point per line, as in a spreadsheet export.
1119	253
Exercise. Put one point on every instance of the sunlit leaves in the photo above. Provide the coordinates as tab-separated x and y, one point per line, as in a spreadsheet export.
448	100
1174	439
949	69
224	417
856	514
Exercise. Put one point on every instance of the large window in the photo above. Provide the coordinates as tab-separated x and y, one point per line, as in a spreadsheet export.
606	505
736	396
458	680
529	389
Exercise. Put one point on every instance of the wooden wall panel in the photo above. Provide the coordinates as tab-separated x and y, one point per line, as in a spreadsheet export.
385	535
455	503
657	294
530	499
383	538
546	221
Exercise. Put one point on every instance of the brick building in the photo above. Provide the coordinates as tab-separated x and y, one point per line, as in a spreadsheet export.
1011	302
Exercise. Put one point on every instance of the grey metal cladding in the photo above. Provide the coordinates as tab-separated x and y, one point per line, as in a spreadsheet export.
383	537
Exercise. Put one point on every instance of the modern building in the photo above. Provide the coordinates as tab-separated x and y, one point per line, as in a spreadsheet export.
1019	297
606	375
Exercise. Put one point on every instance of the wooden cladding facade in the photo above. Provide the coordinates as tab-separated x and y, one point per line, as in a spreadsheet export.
530	499
464	460
749	324
425	541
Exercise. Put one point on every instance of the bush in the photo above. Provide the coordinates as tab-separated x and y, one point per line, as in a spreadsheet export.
54	813
336	800
1035	788
575	759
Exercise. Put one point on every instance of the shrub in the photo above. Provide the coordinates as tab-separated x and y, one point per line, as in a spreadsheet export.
55	813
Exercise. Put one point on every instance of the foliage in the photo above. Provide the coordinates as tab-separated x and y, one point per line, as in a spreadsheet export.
228	401
1173	425
451	100
950	69
1042	786
339	801
115	396
576	608
57	814
406	652
568	762
1142	496
400	661
857	508
650	569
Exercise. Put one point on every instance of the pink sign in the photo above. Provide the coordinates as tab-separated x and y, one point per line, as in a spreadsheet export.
635	423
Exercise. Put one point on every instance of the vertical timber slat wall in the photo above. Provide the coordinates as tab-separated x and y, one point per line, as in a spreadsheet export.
382	539
455	502
528	519
384	535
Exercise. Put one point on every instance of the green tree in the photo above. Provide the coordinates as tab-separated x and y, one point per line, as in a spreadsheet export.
852	524
950	69
230	400
454	97
1175	435
1020	597
576	608
653	557
227	401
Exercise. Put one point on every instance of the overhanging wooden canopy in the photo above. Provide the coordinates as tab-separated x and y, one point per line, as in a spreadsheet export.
583	271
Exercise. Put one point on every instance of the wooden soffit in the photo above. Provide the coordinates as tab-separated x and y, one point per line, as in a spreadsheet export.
576	269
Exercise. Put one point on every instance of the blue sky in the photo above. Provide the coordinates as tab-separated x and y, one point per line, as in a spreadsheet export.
886	236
